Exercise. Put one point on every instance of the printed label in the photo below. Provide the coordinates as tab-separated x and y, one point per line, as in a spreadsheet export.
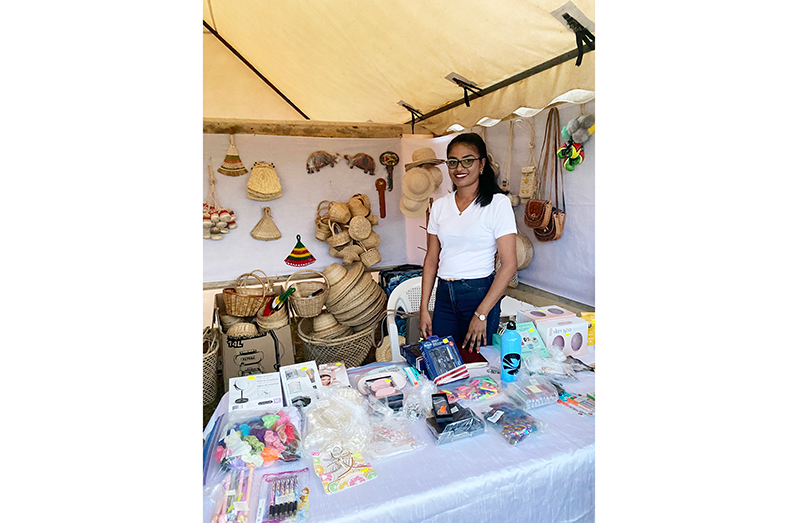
240	506
496	416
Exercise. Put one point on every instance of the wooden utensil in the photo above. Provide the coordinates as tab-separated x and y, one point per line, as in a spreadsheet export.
380	184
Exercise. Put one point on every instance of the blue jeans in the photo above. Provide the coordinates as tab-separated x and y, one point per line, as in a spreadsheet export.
455	304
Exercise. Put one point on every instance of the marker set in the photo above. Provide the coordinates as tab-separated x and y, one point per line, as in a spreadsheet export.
582	404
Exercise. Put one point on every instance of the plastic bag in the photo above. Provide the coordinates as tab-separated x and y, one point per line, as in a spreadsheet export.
532	391
284	497
512	423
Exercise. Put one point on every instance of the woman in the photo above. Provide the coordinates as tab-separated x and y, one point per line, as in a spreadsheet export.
466	228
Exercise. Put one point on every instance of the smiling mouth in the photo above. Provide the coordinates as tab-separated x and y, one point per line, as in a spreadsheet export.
459	176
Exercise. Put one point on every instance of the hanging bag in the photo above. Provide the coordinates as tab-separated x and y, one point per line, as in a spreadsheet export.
537	213
552	170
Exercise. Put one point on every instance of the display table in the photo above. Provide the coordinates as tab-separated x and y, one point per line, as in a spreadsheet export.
549	478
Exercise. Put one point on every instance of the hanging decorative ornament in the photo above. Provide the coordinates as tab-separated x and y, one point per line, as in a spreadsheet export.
232	165
300	256
362	161
217	220
572	154
277	303
321	159
389	159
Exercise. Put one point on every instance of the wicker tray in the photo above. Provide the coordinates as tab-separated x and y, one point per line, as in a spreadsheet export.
352	350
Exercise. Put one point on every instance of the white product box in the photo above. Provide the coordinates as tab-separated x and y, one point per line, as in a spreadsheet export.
569	334
545	313
256	391
300	382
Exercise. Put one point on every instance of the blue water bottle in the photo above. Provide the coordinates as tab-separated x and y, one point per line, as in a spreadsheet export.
511	353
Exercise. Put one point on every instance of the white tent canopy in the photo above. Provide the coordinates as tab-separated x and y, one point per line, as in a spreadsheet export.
354	60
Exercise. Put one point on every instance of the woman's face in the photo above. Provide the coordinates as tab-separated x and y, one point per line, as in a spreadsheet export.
465	176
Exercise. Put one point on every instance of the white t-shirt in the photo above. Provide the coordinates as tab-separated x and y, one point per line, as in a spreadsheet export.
468	240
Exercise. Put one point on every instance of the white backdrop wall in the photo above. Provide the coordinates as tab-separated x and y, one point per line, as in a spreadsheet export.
565	267
237	252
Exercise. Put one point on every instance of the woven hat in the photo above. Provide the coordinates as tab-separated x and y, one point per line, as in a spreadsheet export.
299	256
339	285
362	289
418	184
422	156
232	164
412	212
437	175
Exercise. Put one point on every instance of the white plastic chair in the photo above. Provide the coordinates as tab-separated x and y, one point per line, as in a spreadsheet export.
407	296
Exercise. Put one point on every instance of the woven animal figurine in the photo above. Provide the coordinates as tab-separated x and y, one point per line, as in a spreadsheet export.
321	159
361	161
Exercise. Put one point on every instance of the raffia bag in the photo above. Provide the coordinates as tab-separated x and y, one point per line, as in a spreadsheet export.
352	350
308	298
339	235
240	300
263	184
323	220
370	256
339	212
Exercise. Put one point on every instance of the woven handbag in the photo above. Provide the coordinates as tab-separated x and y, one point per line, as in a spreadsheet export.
339	235
263	184
240	300
307	300
370	256
323	220
210	353
359	228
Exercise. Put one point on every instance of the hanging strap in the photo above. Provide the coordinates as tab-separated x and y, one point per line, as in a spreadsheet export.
509	163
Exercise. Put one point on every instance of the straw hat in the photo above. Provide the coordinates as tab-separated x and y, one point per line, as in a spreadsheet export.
362	290
523	250
326	326
341	282
414	209
418	184
437	175
422	156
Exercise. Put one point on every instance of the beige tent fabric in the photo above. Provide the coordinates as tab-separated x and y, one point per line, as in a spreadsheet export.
353	60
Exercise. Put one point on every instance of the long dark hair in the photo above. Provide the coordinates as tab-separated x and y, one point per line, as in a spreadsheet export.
488	186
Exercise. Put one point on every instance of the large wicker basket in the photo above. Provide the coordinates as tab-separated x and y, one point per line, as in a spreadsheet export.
210	349
352	350
305	303
240	300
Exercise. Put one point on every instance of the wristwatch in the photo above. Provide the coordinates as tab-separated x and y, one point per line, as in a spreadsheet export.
480	316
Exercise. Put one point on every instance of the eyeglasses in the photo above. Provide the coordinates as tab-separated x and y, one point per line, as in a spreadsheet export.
451	163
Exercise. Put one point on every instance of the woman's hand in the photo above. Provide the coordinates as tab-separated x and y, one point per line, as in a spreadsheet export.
476	336
424	324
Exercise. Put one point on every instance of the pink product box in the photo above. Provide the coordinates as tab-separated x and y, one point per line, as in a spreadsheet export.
569	334
545	313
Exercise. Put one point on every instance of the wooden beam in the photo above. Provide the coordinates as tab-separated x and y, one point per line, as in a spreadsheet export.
303	128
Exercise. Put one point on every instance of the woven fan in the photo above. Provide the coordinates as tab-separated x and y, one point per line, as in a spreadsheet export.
232	165
263	184
300	256
266	229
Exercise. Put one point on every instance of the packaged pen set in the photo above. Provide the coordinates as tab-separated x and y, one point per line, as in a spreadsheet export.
284	497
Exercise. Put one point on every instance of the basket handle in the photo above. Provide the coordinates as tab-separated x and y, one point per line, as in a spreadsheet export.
269	281
326	209
243	279
326	283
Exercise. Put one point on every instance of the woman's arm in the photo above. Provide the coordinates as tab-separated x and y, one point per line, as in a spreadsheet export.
428	275
477	329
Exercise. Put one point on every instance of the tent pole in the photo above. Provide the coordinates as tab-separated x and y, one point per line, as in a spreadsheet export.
244	60
570	55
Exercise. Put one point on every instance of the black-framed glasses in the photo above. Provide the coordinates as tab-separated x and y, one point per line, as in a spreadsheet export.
451	163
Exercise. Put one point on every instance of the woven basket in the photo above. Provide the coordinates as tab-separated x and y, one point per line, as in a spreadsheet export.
323	220
339	212
210	351
303	304
352	350
359	228
242	301
274	320
370	256
356	207
372	241
339	235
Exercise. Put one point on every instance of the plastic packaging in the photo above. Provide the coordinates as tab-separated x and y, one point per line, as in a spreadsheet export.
231	498
476	389
532	391
510	353
554	367
338	417
512	423
465	424
284	497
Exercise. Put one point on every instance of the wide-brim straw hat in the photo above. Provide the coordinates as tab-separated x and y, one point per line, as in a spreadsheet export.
326	326
357	294
523	250
420	212
367	315
437	174
418	184
422	156
341	283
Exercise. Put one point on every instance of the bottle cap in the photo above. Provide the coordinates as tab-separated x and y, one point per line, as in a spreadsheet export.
511	325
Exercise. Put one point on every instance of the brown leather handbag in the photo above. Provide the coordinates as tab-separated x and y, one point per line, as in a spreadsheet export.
550	228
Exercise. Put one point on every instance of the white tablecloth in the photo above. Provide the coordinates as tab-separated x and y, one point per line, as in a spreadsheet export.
548	479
